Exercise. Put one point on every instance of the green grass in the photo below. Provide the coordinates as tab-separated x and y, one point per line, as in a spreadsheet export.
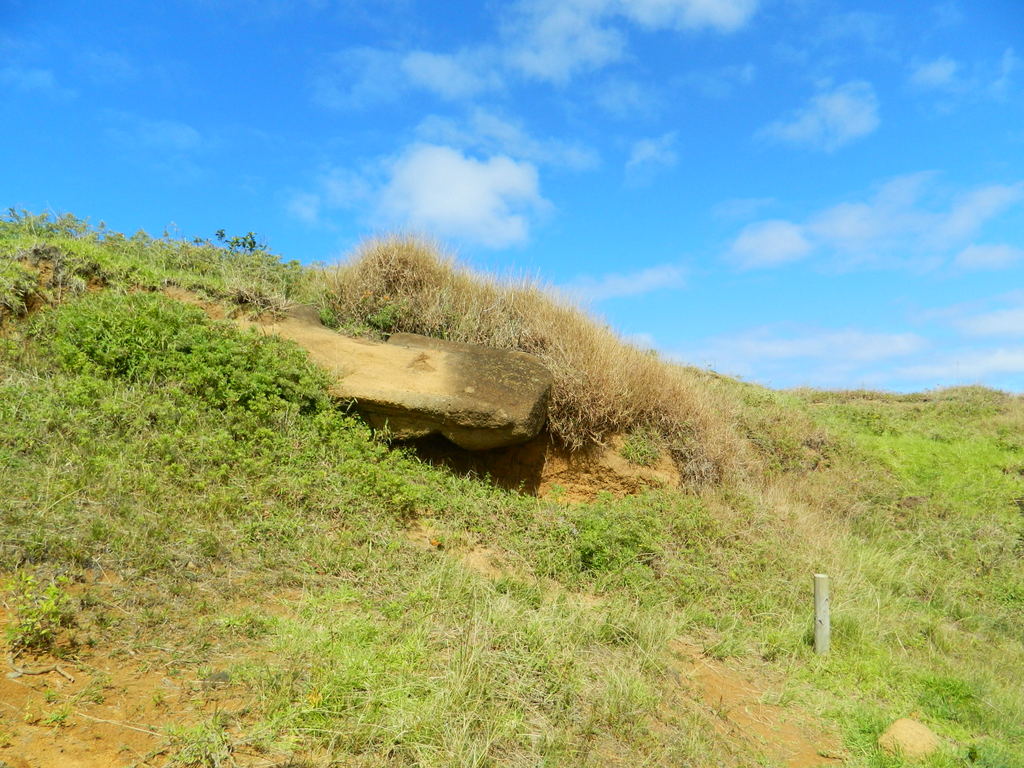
254	519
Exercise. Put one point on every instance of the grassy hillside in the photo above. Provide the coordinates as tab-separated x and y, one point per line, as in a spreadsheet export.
180	496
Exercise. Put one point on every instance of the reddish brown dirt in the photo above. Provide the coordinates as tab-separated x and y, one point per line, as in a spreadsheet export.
116	711
735	703
541	467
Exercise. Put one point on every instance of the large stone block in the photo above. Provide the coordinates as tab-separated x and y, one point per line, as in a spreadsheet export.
478	397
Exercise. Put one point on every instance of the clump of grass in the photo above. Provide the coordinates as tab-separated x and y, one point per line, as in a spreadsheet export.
204	745
602	385
641	447
16	283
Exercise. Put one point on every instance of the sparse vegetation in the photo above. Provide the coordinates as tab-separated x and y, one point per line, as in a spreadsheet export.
642	447
243	521
39	613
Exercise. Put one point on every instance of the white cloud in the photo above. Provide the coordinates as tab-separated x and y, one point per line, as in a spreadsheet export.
1009	63
976	207
555	41
358	77
980	79
856	345
989	256
831	119
769	244
435	189
165	136
336	189
718	15
820	357
648	155
968	366
612	286
623	98
1001	322
739	208
441	190
907	220
361	77
492	134
939	73
721	83
452	77
305	206
32	80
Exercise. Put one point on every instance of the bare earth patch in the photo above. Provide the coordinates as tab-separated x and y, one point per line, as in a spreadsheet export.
740	713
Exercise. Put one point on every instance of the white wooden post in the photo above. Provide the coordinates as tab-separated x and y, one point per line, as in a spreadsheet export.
822	621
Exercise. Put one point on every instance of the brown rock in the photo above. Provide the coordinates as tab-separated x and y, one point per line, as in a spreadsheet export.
909	738
478	397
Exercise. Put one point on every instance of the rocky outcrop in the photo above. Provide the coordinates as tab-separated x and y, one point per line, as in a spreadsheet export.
477	397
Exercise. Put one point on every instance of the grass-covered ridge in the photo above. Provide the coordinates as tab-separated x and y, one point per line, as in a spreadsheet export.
254	525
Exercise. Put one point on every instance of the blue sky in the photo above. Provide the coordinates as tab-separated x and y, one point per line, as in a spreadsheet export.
799	192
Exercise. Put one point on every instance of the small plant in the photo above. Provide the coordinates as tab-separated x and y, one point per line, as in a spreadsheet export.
204	745
642	447
39	613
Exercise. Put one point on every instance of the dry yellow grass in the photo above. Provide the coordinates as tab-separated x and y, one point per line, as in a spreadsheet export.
603	385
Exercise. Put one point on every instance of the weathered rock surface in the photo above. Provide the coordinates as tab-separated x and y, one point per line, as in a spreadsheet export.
478	397
909	739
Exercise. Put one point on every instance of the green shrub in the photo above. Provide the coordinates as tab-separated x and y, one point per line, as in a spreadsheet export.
147	338
613	537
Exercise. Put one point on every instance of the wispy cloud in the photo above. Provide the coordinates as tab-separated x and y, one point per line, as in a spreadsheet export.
954	80
556	41
647	156
1001	322
156	135
939	73
490	133
740	208
363	76
624	98
620	285
770	244
907	219
989	256
968	366
1009	67
33	80
823	357
832	118
722	82
304	206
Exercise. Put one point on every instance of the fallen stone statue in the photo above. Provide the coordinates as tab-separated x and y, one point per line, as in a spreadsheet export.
478	397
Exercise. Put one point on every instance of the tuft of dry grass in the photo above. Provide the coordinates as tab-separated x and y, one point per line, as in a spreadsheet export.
602	384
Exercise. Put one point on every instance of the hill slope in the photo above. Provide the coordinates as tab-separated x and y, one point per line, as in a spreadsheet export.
236	571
